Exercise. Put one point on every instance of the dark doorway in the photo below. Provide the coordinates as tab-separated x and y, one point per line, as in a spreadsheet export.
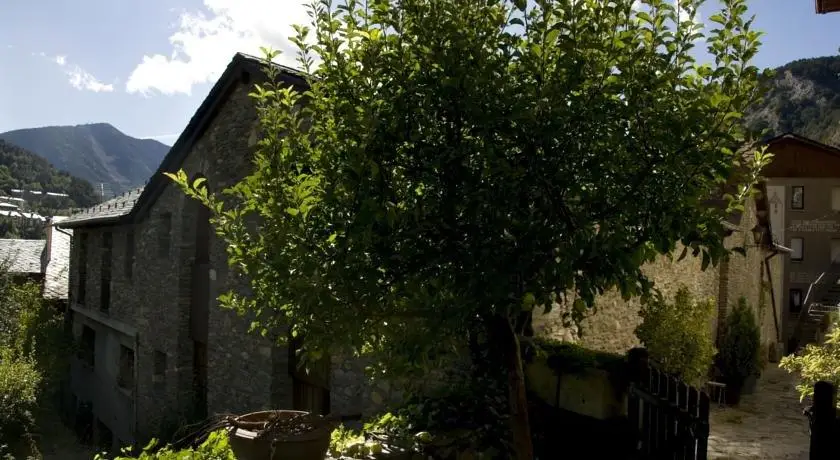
311	384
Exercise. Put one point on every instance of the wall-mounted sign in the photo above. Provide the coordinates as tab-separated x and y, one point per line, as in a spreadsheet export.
814	226
777	212
801	277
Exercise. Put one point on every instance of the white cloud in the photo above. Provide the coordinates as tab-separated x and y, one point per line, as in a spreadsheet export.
78	77
203	44
82	80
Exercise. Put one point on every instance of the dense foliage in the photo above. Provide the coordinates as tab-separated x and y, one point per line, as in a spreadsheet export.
98	153
803	98
456	164
34	354
677	334
816	362
740	349
216	447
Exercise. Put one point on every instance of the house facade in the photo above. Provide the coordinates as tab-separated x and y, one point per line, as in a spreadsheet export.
803	186
755	276
146	270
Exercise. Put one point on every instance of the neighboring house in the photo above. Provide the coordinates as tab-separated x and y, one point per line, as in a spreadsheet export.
756	277
22	258
827	6
43	261
803	186
146	270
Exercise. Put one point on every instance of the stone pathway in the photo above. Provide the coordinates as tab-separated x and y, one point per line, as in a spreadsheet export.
766	425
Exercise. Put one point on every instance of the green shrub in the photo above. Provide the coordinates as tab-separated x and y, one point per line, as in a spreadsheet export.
816	362
216	447
19	387
740	353
678	334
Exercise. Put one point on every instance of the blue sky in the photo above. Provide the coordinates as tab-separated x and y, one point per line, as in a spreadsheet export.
145	65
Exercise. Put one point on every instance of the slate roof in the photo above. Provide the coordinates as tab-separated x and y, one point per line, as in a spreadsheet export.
106	212
56	273
241	69
23	255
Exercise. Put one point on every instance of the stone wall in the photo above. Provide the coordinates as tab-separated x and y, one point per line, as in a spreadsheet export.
245	372
611	325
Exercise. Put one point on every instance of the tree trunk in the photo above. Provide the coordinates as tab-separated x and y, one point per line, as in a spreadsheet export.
517	398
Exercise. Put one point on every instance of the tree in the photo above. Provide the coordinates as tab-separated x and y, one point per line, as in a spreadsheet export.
455	164
817	362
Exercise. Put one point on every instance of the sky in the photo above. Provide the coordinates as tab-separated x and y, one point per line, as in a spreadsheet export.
144	66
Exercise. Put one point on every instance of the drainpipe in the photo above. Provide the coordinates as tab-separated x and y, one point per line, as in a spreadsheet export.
777	249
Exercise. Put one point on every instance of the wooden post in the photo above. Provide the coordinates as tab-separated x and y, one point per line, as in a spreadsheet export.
637	360
824	415
638	375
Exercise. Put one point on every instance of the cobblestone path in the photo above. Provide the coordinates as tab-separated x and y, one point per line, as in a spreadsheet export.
766	425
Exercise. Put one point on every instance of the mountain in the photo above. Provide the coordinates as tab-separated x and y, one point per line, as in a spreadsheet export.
804	98
97	152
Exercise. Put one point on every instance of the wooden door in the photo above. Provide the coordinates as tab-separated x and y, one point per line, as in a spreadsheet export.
311	383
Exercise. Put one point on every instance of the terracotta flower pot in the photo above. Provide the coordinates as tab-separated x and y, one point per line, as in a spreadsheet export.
311	445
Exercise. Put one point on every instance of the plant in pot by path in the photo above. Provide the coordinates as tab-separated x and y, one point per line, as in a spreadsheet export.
739	357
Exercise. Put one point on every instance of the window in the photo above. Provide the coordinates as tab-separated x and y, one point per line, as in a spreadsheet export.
795	300
105	272
164	231
83	240
835	199
797	197
129	254
160	367
797	246
87	347
125	378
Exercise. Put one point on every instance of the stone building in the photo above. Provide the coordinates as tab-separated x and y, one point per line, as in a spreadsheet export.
803	187
146	271
45	262
755	276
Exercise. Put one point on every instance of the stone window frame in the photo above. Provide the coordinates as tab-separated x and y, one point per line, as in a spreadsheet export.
801	257
797	204
125	369
792	308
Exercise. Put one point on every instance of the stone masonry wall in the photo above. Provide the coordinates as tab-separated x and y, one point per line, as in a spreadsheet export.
240	370
611	325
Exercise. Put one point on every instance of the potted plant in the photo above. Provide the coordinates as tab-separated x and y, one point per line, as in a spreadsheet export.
739	357
281	435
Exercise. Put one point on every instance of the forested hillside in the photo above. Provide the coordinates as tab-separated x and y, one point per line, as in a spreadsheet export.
22	169
804	98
